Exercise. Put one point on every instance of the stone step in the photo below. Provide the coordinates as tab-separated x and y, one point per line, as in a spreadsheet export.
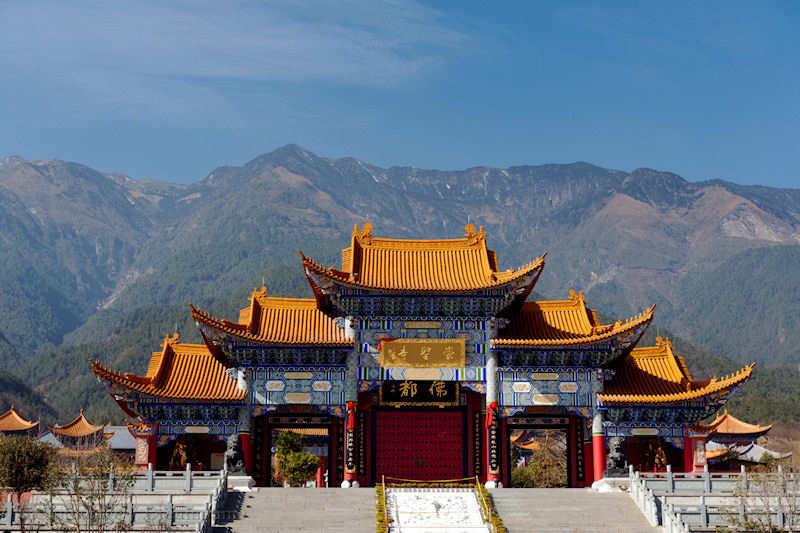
272	510
568	510
334	510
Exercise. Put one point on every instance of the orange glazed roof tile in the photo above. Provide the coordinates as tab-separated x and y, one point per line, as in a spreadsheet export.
654	374
179	371
78	427
563	322
11	420
280	321
421	265
727	424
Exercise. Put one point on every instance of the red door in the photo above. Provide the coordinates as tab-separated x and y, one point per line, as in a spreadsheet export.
424	445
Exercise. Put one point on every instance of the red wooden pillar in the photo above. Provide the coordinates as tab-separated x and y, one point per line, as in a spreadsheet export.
152	450
588	470
319	477
598	447
364	440
146	444
694	456
248	453
572	449
492	445
146	451
349	454
505	472
334	453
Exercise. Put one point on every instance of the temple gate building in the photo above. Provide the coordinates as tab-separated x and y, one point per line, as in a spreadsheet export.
421	359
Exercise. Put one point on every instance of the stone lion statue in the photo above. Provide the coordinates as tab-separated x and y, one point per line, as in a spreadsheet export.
233	456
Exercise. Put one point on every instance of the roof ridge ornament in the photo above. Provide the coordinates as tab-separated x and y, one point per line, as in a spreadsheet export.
576	296
363	233
472	235
171	339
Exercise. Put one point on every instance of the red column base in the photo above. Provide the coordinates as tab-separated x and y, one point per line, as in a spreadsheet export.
247	453
599	456
146	449
688	454
588	472
689	444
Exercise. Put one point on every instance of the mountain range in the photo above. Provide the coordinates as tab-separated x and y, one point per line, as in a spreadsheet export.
101	265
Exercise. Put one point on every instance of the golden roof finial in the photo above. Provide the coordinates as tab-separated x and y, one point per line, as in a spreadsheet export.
171	339
469	231
364	233
573	295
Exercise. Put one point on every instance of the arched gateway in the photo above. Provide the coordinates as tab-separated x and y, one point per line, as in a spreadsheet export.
421	359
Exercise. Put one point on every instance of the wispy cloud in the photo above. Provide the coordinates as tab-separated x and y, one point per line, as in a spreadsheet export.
171	57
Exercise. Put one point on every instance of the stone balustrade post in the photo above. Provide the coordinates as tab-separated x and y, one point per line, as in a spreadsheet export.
187	478
151	482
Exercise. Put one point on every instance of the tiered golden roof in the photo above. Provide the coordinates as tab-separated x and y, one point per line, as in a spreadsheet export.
78	427
654	374
295	321
729	425
443	265
562	323
12	421
178	371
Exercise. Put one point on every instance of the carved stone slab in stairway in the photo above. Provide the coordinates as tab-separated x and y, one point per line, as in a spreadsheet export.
434	510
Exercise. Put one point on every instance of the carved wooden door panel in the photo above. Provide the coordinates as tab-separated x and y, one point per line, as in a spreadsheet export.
425	445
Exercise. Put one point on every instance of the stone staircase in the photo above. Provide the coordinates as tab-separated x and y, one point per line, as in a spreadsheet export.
271	510
568	510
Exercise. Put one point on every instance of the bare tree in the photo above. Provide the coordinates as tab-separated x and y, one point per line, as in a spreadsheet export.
93	494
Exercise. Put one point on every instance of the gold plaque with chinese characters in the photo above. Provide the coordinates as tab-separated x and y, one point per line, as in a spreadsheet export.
419	393
423	353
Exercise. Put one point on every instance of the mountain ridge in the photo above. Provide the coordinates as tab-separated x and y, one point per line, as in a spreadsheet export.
103	252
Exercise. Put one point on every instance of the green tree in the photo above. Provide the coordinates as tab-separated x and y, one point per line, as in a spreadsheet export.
294	465
25	465
547	467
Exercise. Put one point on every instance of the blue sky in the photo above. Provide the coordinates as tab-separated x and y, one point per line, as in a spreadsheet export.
171	90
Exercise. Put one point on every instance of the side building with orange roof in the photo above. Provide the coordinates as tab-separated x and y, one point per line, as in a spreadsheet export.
732	443
420	359
79	434
13	423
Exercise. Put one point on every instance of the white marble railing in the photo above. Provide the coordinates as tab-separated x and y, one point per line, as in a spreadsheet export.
681	502
179	501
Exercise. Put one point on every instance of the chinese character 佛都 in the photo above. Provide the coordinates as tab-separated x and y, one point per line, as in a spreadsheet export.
438	389
408	389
